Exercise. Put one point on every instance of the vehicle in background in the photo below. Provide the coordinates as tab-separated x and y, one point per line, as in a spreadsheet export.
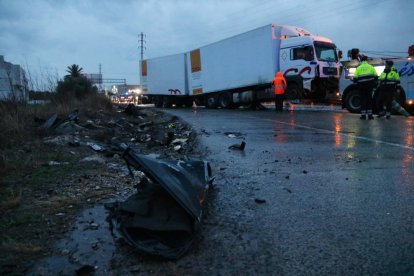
124	98
239	70
405	90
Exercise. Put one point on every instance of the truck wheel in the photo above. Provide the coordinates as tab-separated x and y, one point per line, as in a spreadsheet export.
293	92
353	101
211	101
225	100
158	101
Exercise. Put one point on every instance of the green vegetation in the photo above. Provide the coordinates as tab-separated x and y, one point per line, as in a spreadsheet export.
74	85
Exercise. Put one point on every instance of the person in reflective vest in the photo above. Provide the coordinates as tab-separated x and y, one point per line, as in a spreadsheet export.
366	79
279	85
389	79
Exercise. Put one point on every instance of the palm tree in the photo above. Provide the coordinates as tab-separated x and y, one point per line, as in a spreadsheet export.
74	70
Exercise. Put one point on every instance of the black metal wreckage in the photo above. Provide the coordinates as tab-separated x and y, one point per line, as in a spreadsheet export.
164	215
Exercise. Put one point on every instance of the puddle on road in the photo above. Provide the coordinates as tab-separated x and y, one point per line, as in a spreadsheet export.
89	244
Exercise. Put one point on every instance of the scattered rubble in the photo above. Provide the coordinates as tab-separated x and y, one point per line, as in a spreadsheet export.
240	146
78	164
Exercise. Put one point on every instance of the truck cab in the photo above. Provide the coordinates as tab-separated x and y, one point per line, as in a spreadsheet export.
311	66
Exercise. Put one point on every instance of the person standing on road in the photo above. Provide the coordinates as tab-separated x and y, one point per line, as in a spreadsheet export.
387	88
366	78
279	85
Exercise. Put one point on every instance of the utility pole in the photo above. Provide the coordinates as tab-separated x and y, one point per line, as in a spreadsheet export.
141	41
100	77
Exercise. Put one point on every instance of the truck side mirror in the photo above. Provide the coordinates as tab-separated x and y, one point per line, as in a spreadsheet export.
340	54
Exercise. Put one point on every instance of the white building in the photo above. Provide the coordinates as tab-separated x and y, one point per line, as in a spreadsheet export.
13	82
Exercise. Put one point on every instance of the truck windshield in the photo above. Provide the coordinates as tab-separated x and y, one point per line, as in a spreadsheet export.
326	51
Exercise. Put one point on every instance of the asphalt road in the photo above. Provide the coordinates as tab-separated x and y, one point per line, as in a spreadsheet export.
313	193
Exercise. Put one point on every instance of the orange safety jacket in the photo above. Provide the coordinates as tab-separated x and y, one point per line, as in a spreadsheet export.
279	83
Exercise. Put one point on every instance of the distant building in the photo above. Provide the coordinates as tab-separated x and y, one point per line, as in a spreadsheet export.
13	81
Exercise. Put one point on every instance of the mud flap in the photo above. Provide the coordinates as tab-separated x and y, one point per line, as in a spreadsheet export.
162	218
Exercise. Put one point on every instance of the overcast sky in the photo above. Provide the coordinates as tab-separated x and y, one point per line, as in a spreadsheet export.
46	36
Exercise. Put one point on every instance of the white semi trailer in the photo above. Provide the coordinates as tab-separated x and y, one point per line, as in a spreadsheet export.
240	69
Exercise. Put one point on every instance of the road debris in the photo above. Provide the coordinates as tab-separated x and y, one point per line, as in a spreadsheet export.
162	217
240	146
259	200
54	121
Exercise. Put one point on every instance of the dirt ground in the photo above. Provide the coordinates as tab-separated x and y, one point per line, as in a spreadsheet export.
69	168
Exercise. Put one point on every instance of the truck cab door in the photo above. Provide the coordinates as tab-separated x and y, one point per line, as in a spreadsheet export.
298	61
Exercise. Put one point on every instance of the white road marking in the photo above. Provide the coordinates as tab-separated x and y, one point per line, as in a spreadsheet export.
344	134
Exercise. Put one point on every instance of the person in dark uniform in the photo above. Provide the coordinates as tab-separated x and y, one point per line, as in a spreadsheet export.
387	88
366	79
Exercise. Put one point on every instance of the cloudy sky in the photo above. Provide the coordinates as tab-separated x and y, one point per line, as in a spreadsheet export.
46	36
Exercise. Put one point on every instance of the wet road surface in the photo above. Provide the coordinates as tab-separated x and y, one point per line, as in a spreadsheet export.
338	192
313	193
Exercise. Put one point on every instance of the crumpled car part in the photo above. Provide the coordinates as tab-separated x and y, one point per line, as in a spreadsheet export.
162	218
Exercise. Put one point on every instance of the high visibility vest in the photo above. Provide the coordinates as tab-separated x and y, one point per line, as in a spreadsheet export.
279	84
392	77
365	72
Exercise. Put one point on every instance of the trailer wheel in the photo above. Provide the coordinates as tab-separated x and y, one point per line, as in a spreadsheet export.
353	101
211	101
225	100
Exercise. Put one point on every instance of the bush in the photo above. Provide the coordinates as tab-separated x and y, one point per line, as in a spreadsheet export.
78	87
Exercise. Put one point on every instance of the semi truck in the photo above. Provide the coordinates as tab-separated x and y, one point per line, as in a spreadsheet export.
405	90
239	70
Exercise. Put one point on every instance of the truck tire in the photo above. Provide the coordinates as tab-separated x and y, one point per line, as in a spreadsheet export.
225	100
211	101
353	101
293	92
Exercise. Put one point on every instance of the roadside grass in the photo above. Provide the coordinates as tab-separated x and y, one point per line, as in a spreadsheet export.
12	245
33	191
24	158
10	198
